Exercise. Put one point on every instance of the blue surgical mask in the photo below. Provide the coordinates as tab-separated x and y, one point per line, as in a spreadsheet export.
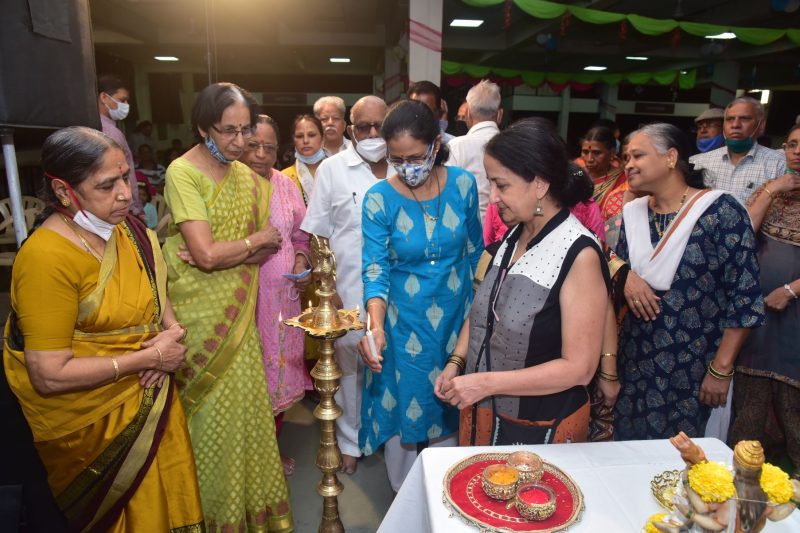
739	146
706	145
211	144
318	156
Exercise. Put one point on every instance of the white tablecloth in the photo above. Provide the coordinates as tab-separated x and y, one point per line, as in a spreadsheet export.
614	477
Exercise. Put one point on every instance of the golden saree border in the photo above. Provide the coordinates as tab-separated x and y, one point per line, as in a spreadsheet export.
92	302
280	524
195	392
83	489
192	528
137	455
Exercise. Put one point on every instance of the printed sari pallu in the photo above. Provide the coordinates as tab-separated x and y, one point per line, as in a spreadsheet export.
223	386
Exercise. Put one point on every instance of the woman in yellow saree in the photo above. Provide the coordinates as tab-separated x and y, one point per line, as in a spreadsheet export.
89	346
219	235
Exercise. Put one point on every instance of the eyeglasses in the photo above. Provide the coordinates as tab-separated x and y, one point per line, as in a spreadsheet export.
334	118
254	146
230	133
791	146
365	128
415	160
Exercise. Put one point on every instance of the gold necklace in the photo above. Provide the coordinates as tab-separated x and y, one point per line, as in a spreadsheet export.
89	248
438	199
668	217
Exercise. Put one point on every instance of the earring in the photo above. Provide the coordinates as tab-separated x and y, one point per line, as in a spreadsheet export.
538	211
65	202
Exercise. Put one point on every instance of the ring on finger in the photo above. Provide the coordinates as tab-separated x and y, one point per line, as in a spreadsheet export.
636	301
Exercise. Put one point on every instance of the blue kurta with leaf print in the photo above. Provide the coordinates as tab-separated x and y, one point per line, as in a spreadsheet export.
423	269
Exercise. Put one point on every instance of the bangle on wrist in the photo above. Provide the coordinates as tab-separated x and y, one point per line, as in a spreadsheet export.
160	357
605	376
459	361
714	373
116	368
249	246
788	288
766	190
608	355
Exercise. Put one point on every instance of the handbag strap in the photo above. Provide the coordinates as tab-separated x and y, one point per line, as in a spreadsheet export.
512	237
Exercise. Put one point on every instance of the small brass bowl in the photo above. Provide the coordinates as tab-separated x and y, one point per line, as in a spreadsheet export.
499	481
535	510
528	464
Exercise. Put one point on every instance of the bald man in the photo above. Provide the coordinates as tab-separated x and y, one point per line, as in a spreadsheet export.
334	212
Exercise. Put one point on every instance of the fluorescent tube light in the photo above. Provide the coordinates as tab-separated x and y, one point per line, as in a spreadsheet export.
465	23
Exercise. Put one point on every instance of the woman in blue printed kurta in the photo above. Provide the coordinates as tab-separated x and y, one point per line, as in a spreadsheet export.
672	365
422	242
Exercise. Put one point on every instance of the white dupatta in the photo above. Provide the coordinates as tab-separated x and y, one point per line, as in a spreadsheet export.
305	178
657	266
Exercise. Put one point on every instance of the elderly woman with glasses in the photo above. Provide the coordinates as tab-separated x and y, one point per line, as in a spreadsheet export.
768	368
422	242
279	285
219	235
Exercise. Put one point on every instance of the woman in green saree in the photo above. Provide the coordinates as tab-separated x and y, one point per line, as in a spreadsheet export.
219	235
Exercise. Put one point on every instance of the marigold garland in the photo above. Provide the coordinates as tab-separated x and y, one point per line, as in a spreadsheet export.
713	482
775	483
658	517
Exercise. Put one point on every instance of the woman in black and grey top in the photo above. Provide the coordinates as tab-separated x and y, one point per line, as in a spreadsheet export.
535	330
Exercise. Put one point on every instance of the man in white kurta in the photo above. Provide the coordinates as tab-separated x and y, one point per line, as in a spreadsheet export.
482	117
334	212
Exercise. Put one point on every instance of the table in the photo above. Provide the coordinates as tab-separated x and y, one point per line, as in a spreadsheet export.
614	477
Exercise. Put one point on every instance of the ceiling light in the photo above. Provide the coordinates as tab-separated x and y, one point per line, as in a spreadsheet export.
466	23
340	60
165	58
724	35
636	58
593	67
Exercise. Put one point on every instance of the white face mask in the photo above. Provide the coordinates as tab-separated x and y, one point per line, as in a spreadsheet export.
92	224
120	112
372	149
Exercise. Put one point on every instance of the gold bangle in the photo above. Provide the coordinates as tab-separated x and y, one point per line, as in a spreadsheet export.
608	355
160	357
719	375
607	377
249	245
766	190
116	368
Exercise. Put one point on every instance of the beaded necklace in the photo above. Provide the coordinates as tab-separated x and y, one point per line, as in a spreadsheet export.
662	220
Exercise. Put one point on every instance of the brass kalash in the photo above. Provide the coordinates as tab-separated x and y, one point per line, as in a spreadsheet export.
326	324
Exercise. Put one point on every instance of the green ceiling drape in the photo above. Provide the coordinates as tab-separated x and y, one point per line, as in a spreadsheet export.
648	26
535	79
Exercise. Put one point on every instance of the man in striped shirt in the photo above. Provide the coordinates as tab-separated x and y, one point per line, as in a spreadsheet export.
742	165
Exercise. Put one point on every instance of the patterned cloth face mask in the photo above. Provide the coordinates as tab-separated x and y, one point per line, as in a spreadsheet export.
415	174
